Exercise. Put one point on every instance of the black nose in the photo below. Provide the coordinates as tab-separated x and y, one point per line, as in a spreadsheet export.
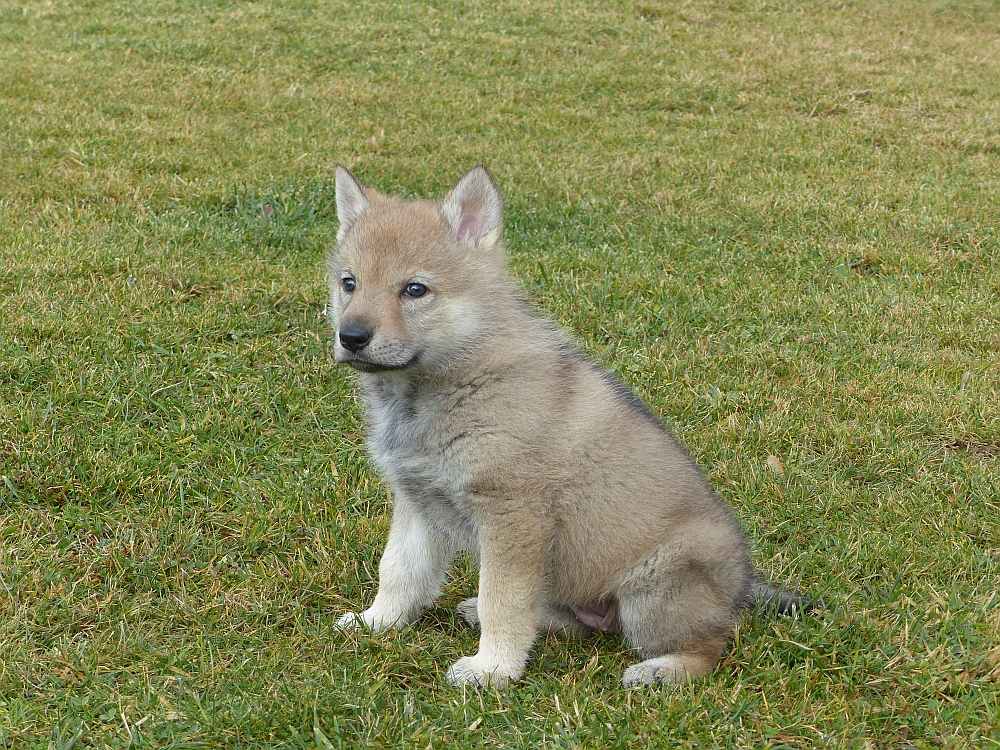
355	338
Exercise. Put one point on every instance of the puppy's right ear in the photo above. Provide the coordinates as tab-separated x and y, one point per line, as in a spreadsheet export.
351	200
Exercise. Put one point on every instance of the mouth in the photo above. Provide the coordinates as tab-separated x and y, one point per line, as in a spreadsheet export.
362	365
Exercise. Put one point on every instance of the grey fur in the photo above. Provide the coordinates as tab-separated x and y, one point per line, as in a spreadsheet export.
497	437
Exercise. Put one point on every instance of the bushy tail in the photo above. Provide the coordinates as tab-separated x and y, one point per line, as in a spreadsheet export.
767	598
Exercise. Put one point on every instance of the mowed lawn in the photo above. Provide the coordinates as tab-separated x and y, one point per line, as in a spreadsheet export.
779	222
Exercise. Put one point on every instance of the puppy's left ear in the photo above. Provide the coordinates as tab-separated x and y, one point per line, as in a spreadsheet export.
474	210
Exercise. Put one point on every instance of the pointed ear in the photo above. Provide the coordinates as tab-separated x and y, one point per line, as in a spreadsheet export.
351	200
474	210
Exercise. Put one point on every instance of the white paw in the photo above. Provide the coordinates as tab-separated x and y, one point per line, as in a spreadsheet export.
367	620
665	669
475	671
350	621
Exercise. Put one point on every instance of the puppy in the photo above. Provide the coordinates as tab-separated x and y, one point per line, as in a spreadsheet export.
499	438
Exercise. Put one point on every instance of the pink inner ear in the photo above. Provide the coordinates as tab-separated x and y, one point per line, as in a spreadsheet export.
471	224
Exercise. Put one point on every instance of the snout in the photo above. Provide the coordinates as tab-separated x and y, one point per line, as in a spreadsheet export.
354	338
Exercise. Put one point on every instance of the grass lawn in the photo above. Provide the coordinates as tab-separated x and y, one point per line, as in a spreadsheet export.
778	221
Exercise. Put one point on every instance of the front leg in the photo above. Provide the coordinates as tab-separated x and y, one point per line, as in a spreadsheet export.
512	560
410	575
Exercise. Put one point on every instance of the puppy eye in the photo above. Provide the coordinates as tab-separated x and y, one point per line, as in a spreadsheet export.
348	284
415	290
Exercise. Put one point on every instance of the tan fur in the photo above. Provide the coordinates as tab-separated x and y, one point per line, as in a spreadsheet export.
497	437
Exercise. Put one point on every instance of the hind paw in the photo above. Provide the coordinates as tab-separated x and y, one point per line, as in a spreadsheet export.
469	612
672	669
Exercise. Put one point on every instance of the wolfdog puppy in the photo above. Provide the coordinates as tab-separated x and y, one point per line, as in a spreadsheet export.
499	438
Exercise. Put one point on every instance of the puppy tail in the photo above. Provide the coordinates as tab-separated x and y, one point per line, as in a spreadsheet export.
767	598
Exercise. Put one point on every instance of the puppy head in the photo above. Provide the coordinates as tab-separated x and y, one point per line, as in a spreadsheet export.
410	281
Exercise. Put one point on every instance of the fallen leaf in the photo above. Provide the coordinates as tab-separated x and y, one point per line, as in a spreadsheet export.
774	464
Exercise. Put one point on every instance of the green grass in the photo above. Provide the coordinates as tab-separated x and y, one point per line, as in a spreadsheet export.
777	221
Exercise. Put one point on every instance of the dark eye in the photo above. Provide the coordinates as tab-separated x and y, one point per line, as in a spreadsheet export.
415	290
348	284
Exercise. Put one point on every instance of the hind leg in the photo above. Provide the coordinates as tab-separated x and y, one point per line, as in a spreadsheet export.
681	639
679	612
681	634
